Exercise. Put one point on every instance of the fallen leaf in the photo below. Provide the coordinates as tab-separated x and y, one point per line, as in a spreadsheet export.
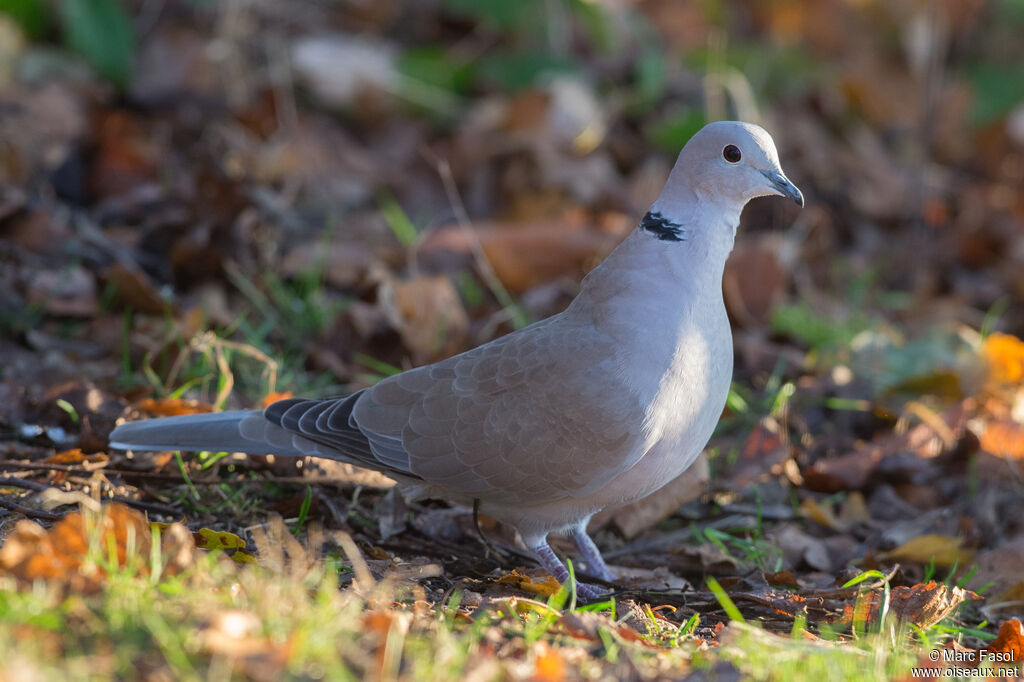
125	155
1003	439
782	579
754	280
854	510
1004	355
133	289
924	604
544	586
810	509
1001	566
524	255
763	453
944	549
275	396
434	324
344	265
845	472
76	456
59	555
70	291
798	546
173	407
1010	640
548	666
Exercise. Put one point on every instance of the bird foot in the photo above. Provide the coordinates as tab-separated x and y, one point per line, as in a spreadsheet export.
591	592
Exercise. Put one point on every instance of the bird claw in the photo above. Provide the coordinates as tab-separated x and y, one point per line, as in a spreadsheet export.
591	592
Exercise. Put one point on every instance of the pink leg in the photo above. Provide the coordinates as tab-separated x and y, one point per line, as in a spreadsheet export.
591	556
553	565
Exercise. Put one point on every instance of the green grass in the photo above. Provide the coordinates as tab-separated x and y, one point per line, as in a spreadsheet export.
298	617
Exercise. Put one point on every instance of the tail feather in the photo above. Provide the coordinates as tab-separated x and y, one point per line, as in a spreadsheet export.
215	431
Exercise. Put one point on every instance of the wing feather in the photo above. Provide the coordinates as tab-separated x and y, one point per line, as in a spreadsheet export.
532	417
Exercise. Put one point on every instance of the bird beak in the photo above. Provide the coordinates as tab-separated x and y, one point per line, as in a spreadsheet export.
781	184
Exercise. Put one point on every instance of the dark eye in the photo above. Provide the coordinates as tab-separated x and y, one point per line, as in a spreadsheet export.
732	154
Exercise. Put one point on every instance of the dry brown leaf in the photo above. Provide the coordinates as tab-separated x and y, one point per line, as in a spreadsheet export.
434	324
763	453
70	291
32	553
854	510
345	265
754	280
1010	640
133	289
810	509
944	549
798	546
1003	439
924	604
525	255
845	472
125	156
1001	566
782	579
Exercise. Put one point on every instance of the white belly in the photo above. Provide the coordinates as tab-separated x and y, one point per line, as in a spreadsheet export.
684	414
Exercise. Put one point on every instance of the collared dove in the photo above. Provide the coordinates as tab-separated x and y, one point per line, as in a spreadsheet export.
597	406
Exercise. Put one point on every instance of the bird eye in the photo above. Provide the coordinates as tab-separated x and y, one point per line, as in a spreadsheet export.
732	154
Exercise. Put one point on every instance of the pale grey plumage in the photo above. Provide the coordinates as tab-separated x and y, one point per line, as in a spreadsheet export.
599	405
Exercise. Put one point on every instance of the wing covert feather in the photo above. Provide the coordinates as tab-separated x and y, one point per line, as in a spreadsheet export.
537	416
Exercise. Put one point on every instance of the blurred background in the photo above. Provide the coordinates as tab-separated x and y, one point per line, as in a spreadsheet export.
212	204
353	187
357	183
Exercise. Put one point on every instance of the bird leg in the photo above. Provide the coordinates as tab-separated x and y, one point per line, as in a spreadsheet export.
489	549
553	565
591	555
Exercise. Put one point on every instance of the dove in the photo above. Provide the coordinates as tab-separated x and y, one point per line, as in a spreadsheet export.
595	407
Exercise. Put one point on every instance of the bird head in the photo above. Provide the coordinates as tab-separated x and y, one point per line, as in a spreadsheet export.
733	162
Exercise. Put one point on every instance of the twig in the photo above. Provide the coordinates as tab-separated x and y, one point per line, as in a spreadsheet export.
138	504
28	511
148	506
483	263
16	482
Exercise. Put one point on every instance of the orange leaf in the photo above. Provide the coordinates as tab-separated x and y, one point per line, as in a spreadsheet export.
76	456
1004	355
549	666
544	587
173	407
32	553
377	622
1010	640
1003	439
274	396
